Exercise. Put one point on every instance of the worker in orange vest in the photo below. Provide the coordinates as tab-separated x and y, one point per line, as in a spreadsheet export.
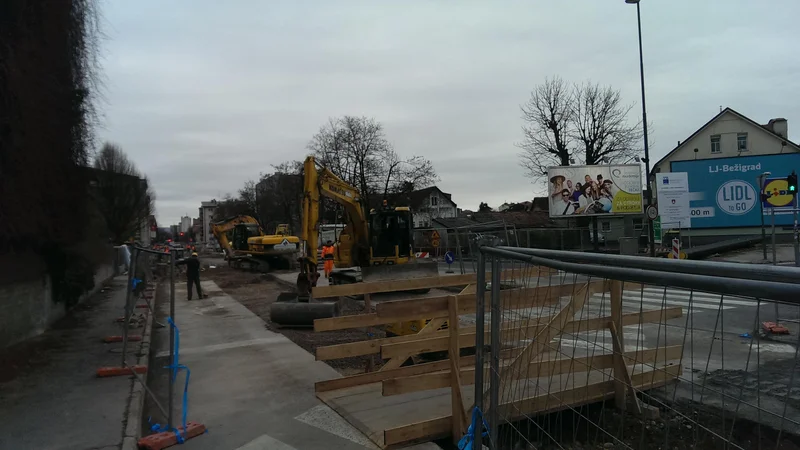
327	256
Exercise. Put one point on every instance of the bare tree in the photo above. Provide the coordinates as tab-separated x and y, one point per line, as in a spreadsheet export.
601	126
123	196
280	196
247	195
356	150
584	124
547	138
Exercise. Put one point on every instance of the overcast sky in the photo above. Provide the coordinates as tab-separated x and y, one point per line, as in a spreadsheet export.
204	95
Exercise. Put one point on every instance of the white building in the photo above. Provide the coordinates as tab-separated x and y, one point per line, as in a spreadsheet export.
207	210
186	224
427	204
731	134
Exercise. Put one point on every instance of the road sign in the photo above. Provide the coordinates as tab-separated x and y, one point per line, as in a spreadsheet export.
652	212
676	249
434	235
449	258
435	243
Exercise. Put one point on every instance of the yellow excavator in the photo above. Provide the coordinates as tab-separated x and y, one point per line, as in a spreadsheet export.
248	245
371	247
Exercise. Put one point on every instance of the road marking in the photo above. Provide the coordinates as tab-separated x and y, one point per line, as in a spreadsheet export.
699	296
326	419
225	346
659	301
266	442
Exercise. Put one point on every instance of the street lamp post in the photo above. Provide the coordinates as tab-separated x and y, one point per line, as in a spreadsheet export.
761	207
648	191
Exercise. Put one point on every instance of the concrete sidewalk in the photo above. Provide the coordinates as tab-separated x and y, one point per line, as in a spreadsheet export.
50	397
252	388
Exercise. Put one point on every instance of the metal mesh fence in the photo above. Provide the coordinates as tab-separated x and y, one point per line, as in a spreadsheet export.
461	241
603	351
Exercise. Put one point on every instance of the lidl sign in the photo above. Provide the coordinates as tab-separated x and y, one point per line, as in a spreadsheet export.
725	192
776	194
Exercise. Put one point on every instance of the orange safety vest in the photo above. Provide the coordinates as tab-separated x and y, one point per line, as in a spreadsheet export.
327	252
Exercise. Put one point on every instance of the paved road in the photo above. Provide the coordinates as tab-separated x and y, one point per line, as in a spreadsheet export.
50	397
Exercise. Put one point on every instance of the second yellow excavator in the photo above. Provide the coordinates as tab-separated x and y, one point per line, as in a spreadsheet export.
248	245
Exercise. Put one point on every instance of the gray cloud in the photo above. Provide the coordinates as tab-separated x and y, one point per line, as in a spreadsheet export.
204	95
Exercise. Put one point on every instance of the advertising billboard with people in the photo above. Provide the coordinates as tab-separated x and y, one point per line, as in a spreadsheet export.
595	190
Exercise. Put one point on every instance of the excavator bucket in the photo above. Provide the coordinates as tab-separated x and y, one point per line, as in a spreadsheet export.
417	269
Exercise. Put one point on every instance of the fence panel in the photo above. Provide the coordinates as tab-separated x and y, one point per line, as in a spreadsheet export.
636	353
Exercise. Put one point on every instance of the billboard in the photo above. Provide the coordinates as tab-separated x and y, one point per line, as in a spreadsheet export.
724	192
595	190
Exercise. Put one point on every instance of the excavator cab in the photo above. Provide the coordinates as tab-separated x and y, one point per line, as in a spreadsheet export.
241	233
390	233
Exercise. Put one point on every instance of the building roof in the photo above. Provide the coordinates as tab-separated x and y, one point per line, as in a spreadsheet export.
499	220
416	199
767	129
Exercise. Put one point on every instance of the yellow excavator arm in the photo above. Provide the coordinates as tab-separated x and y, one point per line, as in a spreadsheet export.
321	182
220	230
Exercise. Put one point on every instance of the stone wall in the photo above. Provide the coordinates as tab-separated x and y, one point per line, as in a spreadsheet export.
27	308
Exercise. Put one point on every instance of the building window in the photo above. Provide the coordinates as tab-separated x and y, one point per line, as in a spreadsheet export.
434	200
606	226
715	148
741	142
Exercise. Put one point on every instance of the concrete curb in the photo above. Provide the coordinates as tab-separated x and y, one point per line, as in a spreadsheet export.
133	415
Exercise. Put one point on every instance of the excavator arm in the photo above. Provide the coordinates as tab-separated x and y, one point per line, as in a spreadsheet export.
322	182
318	183
220	231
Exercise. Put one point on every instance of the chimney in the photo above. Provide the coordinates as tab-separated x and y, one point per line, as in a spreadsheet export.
779	126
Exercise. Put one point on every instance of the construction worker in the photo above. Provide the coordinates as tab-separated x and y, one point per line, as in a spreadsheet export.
327	256
192	274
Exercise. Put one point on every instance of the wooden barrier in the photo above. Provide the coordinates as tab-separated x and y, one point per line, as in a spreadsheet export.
376	287
545	403
354	396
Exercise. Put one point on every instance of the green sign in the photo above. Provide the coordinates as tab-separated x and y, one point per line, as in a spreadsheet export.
657	230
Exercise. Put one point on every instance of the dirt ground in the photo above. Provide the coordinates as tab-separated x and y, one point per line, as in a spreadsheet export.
257	292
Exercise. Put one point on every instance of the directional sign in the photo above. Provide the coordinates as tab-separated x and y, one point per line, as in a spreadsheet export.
449	258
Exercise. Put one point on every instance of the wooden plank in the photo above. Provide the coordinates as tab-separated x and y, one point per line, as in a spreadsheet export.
441	426
440	341
454	354
429	328
622	374
409	313
582	395
544	368
416	283
553	329
616	326
392	285
375	377
515	298
416	432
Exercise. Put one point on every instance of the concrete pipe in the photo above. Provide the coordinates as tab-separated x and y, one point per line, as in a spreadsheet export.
297	314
